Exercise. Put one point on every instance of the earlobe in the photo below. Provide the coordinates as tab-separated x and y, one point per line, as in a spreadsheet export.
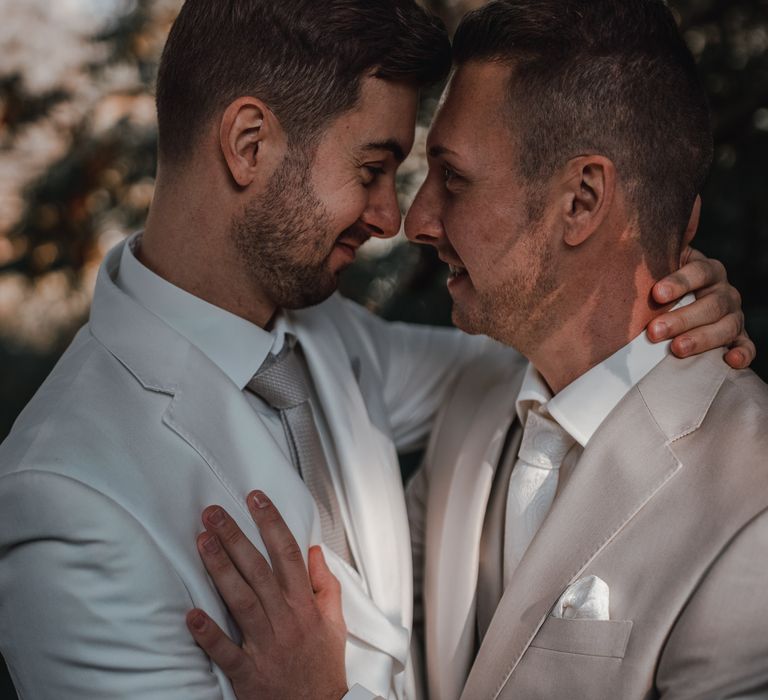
591	190
242	131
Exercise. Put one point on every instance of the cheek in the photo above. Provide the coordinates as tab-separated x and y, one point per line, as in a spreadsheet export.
344	205
477	231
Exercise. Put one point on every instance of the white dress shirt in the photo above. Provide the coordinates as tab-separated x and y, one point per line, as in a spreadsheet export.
578	409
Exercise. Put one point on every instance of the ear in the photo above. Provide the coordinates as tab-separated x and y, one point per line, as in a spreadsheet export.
251	139
590	187
690	231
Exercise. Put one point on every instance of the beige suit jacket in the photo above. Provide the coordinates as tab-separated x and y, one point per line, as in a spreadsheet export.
668	505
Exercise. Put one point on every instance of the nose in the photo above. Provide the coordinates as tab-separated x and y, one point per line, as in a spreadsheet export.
382	214
422	223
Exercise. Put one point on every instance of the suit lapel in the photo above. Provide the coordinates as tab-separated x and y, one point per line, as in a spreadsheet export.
369	471
216	420
459	487
624	466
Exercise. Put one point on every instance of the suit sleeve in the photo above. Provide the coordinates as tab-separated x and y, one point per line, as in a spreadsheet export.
89	606
718	648
417	365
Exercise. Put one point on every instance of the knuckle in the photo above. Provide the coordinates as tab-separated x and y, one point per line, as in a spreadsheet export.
734	324
723	304
679	323
678	279
239	668
247	606
719	268
259	573
290	552
219	563
232	535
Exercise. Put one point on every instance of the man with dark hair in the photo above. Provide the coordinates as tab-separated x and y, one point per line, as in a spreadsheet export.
603	530
281	127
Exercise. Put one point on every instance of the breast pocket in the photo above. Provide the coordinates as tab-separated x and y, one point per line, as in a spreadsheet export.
608	638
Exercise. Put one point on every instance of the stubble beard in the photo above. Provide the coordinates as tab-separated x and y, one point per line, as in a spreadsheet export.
516	310
283	238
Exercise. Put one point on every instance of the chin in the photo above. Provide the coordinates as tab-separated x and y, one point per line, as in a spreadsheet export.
467	322
310	293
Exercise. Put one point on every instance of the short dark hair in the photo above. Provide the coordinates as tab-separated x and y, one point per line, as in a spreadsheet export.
304	58
608	76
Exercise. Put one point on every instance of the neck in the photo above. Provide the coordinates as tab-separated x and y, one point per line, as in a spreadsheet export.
617	312
186	241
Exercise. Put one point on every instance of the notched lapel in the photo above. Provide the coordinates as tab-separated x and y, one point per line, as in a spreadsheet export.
215	419
624	466
679	393
461	476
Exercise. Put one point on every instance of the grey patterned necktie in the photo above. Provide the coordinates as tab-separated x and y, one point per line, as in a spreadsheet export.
282	382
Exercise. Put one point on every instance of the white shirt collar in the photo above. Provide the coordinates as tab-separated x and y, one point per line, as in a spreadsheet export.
533	390
585	403
238	347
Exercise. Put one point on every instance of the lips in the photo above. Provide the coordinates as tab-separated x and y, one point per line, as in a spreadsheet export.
455	268
353	238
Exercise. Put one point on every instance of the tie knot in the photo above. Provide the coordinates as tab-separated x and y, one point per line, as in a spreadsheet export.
545	443
280	380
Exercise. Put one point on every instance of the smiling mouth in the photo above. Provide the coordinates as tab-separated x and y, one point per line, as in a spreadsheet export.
456	271
353	238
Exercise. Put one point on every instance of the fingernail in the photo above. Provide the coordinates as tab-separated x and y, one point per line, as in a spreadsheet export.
259	499
660	330
685	345
197	620
664	292
211	544
216	517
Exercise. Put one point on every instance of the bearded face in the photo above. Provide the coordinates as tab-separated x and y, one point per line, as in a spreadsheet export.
284	238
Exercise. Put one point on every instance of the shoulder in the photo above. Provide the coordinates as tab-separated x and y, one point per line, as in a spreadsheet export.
85	418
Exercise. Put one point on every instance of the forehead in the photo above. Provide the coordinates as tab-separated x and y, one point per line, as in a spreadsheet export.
473	111
386	111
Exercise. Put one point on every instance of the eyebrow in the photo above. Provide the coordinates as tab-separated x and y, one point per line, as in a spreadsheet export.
389	145
438	151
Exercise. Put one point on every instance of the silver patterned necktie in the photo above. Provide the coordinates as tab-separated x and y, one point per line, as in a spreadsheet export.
282	382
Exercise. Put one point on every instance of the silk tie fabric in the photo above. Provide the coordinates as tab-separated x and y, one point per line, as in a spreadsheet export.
282	381
533	484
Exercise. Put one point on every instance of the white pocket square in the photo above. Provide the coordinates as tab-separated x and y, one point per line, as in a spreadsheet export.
586	599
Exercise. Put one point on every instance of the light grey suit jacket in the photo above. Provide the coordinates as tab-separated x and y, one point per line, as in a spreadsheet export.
668	505
106	472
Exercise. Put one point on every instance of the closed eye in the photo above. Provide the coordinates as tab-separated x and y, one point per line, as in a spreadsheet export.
372	172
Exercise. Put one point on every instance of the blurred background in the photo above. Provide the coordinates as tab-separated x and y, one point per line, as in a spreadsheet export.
77	159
